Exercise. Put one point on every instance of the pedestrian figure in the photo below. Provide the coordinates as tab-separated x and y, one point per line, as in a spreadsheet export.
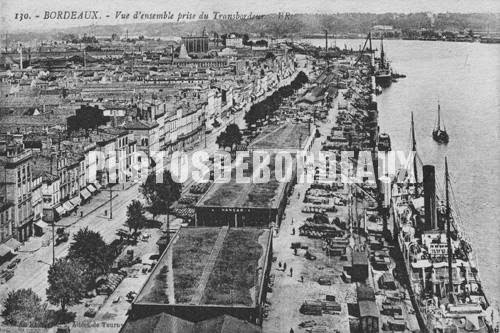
291	330
293	231
302	279
291	271
279	264
292	220
284	267
295	251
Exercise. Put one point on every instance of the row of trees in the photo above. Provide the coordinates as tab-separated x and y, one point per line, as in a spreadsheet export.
69	279
265	109
88	257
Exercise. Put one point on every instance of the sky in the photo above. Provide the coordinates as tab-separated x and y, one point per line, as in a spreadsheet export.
105	8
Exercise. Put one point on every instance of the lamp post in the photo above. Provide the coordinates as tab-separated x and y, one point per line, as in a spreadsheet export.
110	202
53	243
110	189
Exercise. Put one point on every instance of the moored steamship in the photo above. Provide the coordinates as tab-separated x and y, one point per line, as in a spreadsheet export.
438	258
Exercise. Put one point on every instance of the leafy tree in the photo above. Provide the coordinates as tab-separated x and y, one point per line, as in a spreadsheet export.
267	107
245	39
135	216
234	134
157	207
87	117
23	307
221	140
230	137
89	249
270	55
164	193
66	283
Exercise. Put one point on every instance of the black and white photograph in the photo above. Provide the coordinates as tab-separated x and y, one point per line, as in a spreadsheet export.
230	166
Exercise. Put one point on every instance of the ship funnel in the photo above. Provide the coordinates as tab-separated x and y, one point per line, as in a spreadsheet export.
429	175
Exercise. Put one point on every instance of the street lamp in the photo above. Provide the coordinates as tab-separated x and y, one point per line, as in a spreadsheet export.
110	189
53	243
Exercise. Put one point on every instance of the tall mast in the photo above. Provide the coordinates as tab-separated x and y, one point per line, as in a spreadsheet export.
414	148
326	40
448	231
439	116
382	51
370	40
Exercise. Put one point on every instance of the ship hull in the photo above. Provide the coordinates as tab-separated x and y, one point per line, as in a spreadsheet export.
440	137
383	80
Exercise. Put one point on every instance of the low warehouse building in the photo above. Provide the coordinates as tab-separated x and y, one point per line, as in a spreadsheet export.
369	316
205	273
238	204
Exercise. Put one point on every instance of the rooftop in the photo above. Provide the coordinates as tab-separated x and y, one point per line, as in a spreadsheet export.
245	195
209	266
287	136
140	125
164	322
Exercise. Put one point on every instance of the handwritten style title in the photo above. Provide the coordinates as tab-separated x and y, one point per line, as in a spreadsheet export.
140	15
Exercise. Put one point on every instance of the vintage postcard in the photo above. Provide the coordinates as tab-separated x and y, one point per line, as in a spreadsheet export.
249	166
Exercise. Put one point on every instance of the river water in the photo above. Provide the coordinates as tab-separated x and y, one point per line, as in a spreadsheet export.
465	77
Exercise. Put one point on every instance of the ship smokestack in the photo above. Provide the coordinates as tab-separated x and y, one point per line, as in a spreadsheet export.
429	175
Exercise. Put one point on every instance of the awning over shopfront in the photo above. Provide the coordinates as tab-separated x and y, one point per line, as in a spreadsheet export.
75	201
13	243
85	194
60	210
42	225
68	206
4	250
96	185
92	188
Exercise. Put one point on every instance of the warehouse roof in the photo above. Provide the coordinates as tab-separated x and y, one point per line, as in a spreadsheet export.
167	323
210	266
235	194
368	309
287	136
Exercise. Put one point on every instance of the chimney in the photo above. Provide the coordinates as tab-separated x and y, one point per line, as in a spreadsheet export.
172	51
21	57
429	175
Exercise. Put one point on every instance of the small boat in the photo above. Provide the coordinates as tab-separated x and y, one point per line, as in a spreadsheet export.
384	142
439	134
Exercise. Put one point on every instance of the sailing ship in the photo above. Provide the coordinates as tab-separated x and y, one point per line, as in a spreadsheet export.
383	72
438	259
439	134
